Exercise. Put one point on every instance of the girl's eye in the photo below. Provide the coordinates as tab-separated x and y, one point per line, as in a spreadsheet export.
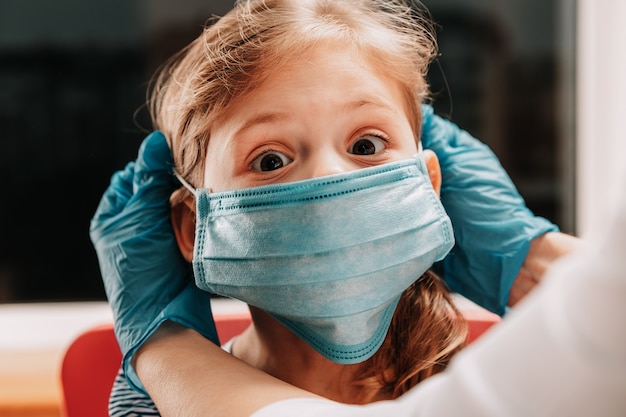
368	145
270	161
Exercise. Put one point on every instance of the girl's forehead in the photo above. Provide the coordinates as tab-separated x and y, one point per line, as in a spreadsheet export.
315	91
323	69
323	72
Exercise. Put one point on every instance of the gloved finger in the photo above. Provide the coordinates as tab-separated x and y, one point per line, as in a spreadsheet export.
117	195
154	168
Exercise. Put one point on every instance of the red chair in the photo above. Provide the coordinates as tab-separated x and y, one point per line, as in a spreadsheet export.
88	371
92	360
479	321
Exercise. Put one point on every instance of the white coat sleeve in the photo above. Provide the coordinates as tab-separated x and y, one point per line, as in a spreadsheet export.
560	352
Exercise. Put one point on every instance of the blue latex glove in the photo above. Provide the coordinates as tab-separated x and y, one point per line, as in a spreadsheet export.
493	227
146	279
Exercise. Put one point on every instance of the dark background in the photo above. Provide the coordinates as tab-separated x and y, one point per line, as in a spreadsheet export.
73	76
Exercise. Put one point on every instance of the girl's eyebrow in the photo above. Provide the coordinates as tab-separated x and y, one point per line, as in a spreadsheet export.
262	118
370	101
277	116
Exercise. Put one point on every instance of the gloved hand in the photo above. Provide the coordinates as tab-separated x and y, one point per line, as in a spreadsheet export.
493	227
146	279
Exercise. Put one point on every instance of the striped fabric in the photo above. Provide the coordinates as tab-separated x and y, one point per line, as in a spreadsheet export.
126	402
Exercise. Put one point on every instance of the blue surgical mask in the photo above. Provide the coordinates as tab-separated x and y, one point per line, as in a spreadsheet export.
328	257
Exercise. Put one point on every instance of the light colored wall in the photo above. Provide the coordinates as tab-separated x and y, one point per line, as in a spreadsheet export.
601	113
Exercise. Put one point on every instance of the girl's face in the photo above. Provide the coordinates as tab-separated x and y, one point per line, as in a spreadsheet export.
326	113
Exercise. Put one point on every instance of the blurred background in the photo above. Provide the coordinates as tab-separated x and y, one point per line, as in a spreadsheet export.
73	76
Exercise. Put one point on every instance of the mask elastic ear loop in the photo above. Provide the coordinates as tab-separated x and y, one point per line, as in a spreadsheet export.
184	182
420	150
419	155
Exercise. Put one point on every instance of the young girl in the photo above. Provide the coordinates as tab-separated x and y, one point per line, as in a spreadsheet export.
278	98
308	92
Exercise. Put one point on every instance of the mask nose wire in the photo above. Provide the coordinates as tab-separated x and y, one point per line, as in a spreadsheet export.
184	182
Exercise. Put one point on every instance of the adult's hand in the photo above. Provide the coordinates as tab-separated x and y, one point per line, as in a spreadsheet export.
146	279
493	227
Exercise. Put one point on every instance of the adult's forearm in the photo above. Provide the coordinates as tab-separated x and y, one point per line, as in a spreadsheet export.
544	250
188	375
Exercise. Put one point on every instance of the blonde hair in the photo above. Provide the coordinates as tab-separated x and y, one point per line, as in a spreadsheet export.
233	56
236	52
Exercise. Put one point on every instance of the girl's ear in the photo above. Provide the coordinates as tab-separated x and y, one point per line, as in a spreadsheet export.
434	170
183	215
